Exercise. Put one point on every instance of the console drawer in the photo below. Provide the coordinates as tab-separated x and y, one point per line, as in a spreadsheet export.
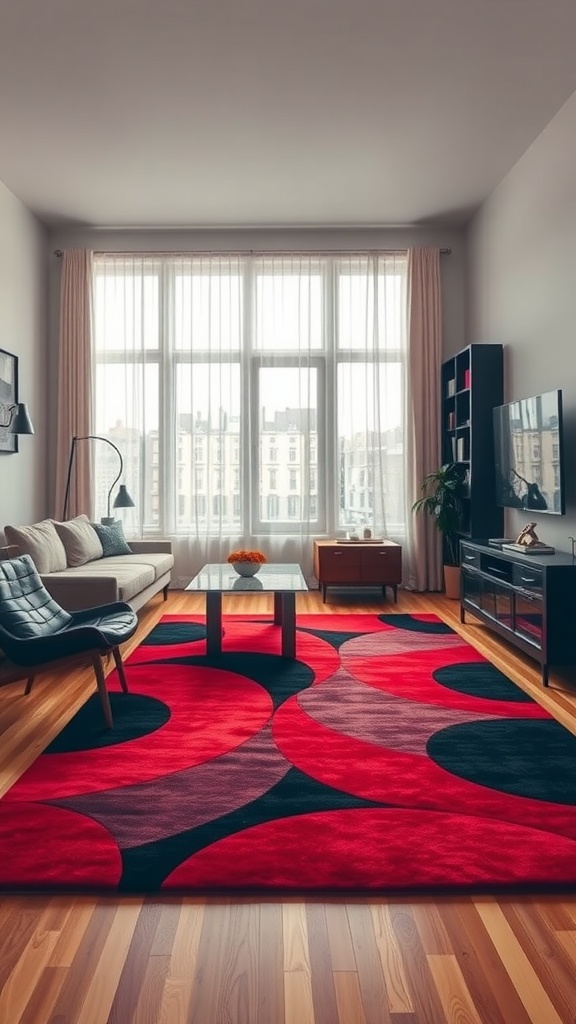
527	577
469	557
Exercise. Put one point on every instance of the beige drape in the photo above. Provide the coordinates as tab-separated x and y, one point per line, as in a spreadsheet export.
74	381
425	357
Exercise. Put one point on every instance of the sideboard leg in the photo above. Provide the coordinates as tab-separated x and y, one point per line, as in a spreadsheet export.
544	674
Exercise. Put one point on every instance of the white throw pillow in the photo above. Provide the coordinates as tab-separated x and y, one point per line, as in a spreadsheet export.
80	540
41	542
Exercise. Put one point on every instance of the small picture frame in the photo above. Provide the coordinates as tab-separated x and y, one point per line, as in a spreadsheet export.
8	398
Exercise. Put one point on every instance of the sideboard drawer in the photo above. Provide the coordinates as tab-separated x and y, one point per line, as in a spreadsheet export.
338	563
381	565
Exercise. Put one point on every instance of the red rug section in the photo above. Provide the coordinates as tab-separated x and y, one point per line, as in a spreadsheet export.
370	763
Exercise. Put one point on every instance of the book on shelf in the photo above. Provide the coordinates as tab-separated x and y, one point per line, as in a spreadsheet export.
451	420
466	378
524	549
451	388
460	449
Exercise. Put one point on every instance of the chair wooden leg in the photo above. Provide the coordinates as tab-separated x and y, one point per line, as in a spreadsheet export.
120	668
101	683
29	684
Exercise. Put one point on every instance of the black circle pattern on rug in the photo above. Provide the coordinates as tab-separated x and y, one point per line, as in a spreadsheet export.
524	757
416	625
174	633
134	716
480	679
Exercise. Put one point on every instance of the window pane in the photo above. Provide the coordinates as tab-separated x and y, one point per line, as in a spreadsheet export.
127	412
288	403
288	305
126	317
207	311
361	324
208	420
371	444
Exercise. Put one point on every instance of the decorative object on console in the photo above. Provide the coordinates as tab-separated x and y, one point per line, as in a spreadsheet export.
122	500
14	416
528	544
529	538
246	563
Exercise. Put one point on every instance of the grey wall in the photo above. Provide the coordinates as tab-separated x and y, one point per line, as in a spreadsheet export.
522	289
23	292
226	240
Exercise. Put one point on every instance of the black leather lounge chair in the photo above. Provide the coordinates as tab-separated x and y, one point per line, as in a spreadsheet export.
35	631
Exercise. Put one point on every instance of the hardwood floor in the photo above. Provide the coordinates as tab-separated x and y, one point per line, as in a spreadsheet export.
92	960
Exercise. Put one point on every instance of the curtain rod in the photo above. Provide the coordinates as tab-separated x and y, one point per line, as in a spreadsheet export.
253	252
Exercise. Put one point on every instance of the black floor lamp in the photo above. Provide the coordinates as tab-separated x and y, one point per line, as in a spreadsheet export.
122	499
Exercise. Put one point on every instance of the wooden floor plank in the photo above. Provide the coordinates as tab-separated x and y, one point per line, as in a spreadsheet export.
485	975
44	996
295	938
134	969
290	961
100	993
341	949
395	979
20	984
184	967
546	954
349	1000
373	991
321	974
455	998
526	982
423	994
270	965
298	1001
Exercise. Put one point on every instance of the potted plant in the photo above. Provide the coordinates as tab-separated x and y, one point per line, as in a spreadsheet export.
441	494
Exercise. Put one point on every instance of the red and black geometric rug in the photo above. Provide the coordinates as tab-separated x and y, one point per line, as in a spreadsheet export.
390	755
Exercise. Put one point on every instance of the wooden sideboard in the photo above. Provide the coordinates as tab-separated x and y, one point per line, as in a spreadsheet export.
357	564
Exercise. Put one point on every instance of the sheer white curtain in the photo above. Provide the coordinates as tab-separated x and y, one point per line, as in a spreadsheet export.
258	400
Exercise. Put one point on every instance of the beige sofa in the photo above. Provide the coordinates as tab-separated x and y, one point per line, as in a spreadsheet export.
133	577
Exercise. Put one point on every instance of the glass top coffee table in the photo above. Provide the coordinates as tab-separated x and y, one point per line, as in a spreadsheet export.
284	581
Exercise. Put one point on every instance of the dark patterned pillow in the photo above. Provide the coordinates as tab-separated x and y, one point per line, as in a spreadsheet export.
112	539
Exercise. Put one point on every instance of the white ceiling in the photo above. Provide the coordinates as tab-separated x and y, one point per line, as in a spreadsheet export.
164	113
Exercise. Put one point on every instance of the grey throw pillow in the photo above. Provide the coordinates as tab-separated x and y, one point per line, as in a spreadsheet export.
112	539
80	540
41	542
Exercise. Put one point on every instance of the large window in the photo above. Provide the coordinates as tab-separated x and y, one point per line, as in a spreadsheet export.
234	376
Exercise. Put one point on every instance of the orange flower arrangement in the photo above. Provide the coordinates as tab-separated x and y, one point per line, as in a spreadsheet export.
247	556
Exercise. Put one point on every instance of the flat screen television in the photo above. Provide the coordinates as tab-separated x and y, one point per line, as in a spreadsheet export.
528	450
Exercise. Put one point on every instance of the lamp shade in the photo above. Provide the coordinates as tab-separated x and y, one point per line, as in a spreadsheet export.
123	499
21	422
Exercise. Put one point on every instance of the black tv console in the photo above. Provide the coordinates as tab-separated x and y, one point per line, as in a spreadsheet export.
529	600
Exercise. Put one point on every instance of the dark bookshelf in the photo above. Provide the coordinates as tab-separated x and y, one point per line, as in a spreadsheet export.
472	385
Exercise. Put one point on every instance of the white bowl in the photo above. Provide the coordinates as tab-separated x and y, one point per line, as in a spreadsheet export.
246	568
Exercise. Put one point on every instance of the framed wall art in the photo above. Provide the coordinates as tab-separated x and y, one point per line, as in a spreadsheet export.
8	398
